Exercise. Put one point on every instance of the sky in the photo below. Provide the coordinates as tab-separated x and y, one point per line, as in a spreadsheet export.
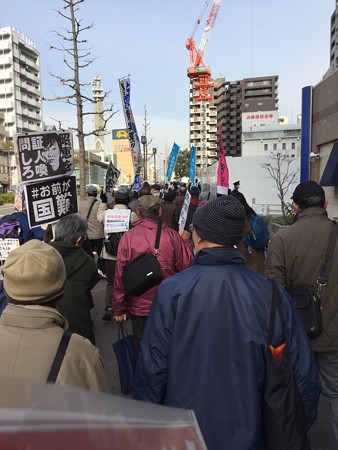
146	40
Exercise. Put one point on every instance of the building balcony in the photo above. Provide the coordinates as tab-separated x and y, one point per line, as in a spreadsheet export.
36	115
30	75
29	63
6	45
6	89
30	88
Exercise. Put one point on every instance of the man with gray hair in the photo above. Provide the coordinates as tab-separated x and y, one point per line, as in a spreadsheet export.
295	255
82	275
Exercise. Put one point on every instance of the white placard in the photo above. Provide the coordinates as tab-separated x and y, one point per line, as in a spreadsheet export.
116	220
184	211
6	246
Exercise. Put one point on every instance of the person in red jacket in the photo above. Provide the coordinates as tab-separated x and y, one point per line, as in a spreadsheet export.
174	255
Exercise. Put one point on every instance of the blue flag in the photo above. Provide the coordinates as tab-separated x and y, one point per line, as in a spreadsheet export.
172	160
192	167
137	182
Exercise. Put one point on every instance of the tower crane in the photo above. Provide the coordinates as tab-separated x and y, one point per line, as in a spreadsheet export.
200	77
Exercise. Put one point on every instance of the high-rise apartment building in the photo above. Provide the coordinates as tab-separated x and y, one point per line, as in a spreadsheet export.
203	114
232	98
20	89
334	40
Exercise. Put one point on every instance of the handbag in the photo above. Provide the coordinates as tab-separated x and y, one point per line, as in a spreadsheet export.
307	300
283	413
143	272
126	355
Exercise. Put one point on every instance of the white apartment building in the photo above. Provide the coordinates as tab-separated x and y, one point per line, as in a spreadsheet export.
20	88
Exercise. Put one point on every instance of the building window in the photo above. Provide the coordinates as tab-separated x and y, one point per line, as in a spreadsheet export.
284	146
265	147
293	146
275	147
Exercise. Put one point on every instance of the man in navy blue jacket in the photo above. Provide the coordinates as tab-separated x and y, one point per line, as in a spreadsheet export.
205	340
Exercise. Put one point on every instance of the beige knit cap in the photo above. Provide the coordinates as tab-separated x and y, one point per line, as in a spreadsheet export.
34	273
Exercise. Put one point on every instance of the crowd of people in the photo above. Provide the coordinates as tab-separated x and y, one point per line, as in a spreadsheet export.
201	333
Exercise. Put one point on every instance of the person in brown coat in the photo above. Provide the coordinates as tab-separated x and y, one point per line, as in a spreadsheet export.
169	210
179	200
255	259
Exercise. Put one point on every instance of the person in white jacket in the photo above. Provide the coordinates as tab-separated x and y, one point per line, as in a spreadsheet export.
122	199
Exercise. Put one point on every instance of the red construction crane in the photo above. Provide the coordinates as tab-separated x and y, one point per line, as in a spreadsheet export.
197	69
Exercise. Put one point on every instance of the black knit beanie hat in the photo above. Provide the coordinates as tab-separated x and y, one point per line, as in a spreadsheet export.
221	221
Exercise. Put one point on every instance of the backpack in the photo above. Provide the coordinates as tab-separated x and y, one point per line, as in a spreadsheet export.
112	243
259	234
10	228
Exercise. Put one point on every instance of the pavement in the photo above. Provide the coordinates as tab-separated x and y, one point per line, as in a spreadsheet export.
321	434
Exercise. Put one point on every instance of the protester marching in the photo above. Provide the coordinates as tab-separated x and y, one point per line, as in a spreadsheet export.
182	262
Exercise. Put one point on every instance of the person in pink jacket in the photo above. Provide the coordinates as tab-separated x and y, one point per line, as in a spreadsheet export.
174	255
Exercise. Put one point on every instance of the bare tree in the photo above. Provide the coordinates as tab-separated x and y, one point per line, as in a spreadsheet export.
145	142
280	170
76	57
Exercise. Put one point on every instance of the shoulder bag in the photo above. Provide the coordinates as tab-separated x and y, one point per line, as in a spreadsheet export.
306	300
90	209
283	413
61	351
143	272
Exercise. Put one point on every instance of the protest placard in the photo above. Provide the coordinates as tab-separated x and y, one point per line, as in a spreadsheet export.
116	220
184	211
6	246
45	155
50	200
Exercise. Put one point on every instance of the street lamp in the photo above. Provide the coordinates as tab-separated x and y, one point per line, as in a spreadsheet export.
145	156
154	154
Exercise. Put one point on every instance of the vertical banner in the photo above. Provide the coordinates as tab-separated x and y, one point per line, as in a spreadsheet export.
172	160
137	182
184	211
222	169
192	166
130	122
112	176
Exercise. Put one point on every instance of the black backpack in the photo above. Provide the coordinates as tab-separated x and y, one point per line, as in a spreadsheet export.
112	243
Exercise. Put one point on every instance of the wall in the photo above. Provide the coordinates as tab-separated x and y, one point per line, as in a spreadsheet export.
256	185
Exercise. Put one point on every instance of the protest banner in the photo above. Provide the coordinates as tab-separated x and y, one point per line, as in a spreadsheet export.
137	182
192	164
112	175
130	121
44	155
117	220
184	211
172	160
50	200
222	169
